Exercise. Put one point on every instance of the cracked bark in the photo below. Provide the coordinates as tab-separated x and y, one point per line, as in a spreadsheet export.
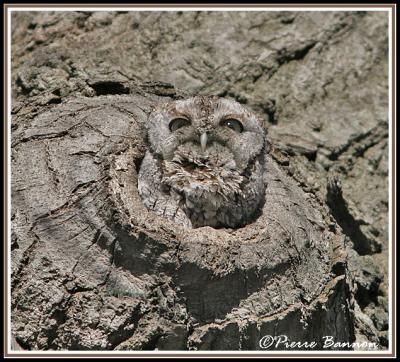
93	269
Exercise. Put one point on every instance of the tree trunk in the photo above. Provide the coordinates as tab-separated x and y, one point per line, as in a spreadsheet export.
92	269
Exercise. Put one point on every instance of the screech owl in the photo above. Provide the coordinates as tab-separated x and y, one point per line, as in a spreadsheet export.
205	163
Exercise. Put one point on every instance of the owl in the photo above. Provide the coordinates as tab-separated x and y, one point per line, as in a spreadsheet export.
205	163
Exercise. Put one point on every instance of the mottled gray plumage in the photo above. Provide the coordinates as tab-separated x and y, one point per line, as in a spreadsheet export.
204	165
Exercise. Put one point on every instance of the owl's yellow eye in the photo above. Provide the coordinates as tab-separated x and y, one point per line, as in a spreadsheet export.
232	124
177	123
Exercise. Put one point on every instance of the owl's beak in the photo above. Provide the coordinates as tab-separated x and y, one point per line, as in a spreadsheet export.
203	141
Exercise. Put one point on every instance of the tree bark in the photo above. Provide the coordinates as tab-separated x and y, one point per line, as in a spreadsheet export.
92	269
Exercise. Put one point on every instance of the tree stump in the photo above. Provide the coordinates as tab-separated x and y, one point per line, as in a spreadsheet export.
93	269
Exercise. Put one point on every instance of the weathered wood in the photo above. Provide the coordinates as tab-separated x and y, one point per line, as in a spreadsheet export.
93	269
103	264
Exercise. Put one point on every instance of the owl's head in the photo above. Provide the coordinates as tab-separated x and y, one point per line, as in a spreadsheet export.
205	127
209	151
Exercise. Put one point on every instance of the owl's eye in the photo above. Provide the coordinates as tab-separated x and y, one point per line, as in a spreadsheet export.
232	124
177	123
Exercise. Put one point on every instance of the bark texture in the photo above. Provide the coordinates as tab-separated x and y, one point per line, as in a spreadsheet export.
93	269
